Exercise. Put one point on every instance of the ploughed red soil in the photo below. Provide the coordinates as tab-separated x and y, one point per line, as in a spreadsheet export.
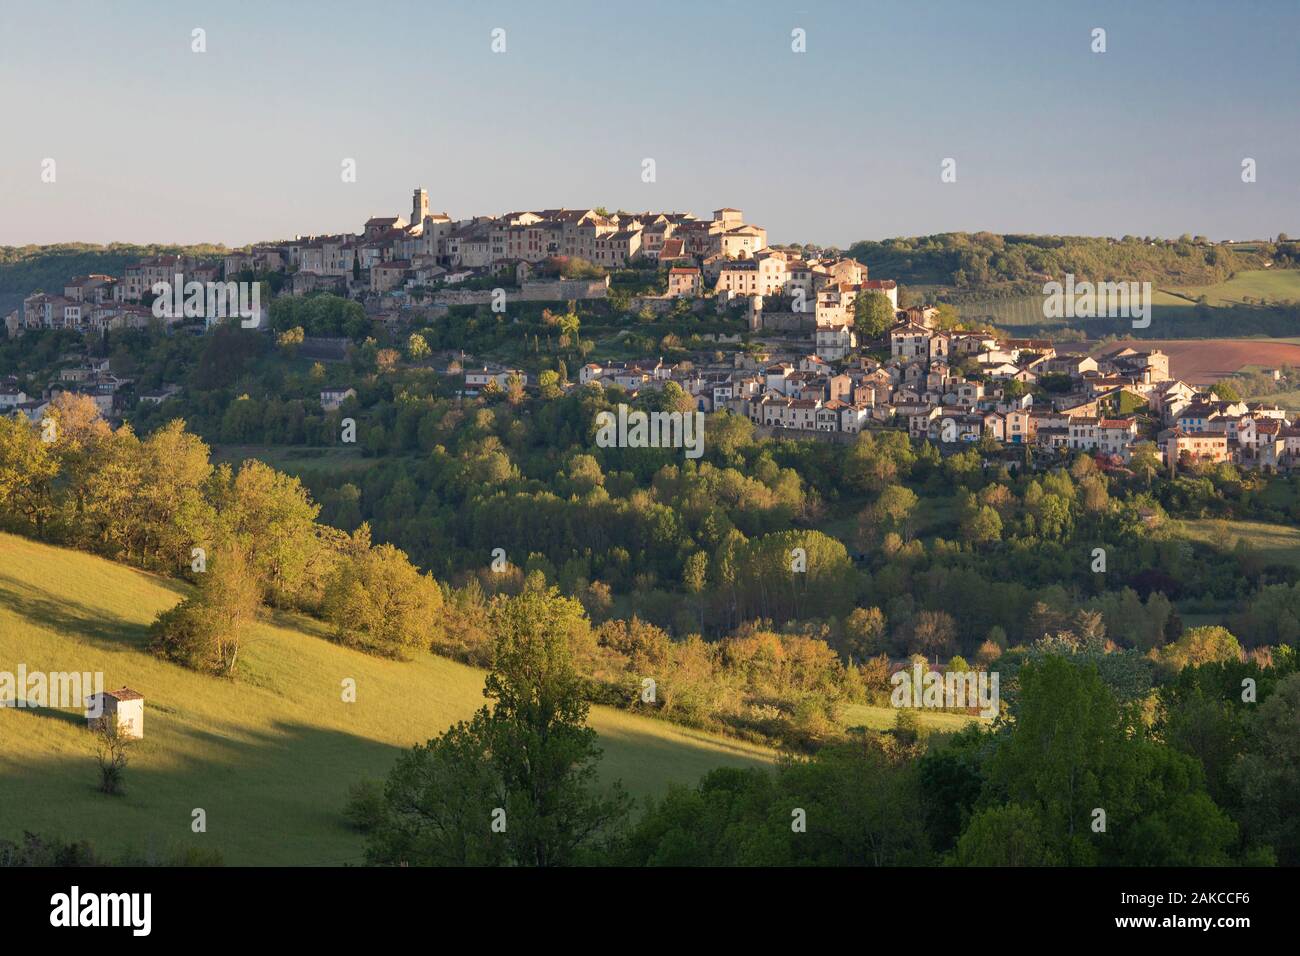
1203	361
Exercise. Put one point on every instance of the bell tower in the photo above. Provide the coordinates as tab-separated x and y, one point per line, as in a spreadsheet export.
419	206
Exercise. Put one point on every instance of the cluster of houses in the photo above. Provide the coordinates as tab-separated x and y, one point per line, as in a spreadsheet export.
954	386
946	385
430	250
394	256
91	377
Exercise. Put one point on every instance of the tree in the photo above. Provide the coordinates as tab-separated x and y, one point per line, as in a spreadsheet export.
948	317
1226	391
417	349
858	803
109	519
767	585
695	571
1269	773
728	433
514	389
379	602
526	762
437	804
873	314
28	469
892	511
1073	750
540	742
721	821
271	515
205	632
674	398
950	780
290	340
170	503
78	432
111	755
875	461
1065	744
862	806
1200	713
1145	461
1201	645
864	634
1272	616
932	633
570	325
983	525
1009	835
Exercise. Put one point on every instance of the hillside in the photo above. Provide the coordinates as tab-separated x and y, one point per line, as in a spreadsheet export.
1200	289
968	261
1271	543
269	756
28	269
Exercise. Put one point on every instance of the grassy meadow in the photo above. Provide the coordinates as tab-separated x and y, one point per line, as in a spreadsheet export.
1274	543
1254	284
883	718
1169	305
270	755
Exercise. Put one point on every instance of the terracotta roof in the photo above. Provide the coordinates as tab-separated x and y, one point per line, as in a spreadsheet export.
123	693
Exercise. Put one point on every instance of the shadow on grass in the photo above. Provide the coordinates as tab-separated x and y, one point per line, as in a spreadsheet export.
76	718
70	617
271	797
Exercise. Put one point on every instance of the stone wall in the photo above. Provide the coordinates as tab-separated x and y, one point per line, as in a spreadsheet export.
789	321
532	290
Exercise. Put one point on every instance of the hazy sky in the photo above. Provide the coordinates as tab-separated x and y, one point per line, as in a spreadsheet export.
244	142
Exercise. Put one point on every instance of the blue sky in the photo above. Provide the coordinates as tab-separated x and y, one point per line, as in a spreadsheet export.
245	142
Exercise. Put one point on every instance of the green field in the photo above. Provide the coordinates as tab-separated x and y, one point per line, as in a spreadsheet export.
1288	400
1255	284
1275	543
883	718
1027	311
268	756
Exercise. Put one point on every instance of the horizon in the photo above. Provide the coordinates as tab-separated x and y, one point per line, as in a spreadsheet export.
243	142
1236	240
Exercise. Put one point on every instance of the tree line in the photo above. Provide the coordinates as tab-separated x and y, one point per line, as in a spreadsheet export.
1070	775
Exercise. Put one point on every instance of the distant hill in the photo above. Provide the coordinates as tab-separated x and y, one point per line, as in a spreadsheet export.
28	269
983	261
1199	289
269	756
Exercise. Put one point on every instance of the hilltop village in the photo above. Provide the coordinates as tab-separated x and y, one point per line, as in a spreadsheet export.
816	356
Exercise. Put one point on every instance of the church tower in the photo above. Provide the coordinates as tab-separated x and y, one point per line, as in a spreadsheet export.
419	206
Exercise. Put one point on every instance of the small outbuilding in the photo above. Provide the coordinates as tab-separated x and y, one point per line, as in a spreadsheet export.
122	705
